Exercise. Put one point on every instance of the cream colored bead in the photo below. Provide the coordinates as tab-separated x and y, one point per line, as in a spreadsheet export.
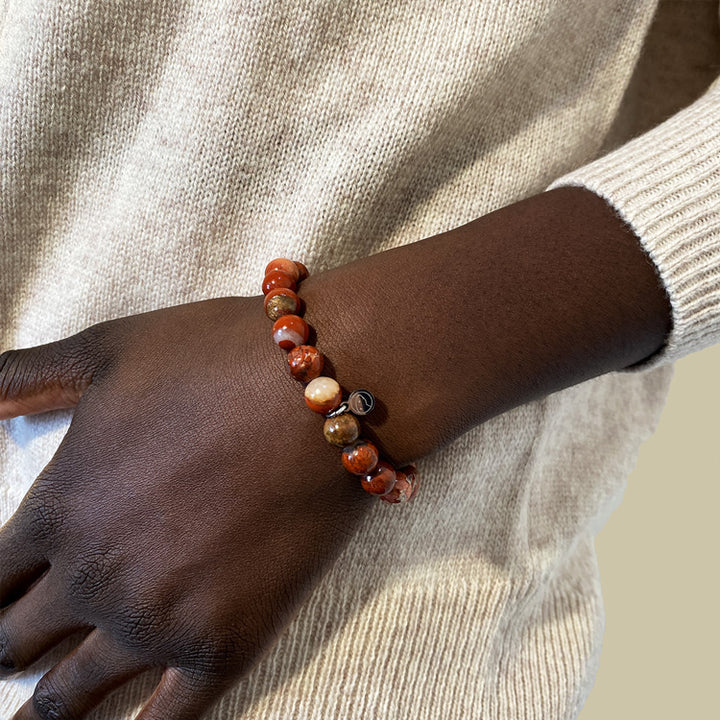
323	394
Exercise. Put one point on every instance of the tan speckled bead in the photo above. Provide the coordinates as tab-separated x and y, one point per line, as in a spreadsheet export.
342	429
323	394
281	301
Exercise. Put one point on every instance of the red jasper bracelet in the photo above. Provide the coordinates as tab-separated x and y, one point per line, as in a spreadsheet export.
323	394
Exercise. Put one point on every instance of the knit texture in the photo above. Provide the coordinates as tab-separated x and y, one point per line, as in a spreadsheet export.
666	186
157	152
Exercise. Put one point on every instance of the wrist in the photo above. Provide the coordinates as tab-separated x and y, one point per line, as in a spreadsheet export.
296	431
461	326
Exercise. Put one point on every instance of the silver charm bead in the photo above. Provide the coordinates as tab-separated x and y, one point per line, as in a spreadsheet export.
361	402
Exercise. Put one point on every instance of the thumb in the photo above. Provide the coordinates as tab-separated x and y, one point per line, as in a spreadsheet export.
52	376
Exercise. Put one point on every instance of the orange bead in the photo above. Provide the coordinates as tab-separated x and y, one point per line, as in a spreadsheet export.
281	301
289	331
360	458
284	265
405	488
277	279
380	479
306	362
302	270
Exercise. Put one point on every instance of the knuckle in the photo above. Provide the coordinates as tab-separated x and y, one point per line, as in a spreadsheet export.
143	619
80	357
201	675
70	363
48	701
96	344
45	514
197	676
140	626
213	658
92	574
11	374
97	335
209	663
8	663
89	344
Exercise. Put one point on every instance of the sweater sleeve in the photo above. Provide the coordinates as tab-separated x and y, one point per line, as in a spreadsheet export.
666	185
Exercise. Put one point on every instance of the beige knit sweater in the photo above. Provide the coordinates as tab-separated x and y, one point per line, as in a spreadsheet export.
154	152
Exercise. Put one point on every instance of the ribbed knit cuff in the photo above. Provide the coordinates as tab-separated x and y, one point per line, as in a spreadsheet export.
666	185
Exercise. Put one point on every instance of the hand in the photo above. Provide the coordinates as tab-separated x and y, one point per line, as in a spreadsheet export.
193	501
188	511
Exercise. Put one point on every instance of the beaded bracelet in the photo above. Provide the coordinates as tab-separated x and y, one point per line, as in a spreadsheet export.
323	394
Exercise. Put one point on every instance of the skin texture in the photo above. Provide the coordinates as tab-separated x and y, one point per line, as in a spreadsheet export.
193	503
190	508
454	329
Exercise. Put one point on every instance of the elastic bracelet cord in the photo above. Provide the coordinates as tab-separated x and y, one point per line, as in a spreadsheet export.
323	394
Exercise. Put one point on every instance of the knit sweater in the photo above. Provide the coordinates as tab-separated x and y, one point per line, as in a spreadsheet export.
156	152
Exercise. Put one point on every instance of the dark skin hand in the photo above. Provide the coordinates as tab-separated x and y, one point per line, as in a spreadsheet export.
184	518
193	503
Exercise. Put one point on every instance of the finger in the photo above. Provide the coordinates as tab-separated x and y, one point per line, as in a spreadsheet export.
181	696
21	562
52	376
32	626
81	681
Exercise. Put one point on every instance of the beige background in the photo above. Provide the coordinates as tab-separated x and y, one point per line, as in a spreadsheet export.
659	564
659	551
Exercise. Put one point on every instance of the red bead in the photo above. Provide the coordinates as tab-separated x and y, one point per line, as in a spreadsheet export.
360	458
284	265
405	488
302	270
289	331
277	279
306	362
380	479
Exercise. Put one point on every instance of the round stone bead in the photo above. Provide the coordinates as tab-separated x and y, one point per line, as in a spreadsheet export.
281	301
405	488
380	479
284	265
289	331
302	270
342	429
306	362
277	279
360	458
323	394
